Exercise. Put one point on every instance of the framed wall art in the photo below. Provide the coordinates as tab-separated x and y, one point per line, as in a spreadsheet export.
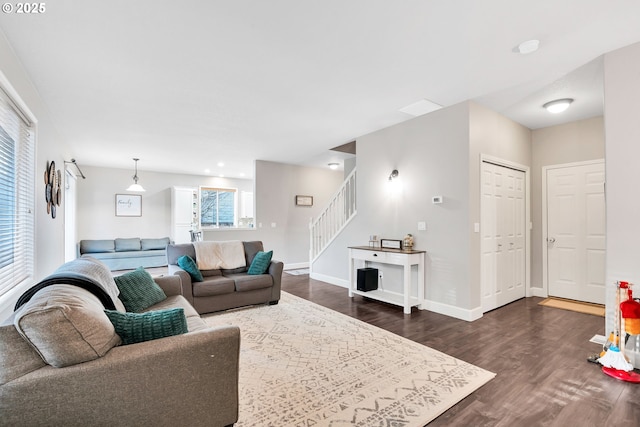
128	205
304	200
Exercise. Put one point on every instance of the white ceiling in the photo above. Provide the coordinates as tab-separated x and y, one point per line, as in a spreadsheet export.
185	85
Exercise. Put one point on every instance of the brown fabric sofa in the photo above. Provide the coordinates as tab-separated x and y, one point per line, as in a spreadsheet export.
189	379
225	289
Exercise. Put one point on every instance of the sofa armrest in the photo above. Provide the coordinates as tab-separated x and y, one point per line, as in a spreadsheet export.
185	279
171	285
275	270
189	379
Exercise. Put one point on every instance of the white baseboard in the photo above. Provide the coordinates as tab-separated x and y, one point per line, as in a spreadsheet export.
452	311
538	292
329	279
296	266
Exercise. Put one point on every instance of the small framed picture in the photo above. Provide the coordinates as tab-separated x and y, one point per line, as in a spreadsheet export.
304	200
391	244
128	205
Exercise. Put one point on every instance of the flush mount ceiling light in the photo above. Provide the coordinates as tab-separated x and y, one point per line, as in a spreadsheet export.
558	105
135	186
527	47
334	166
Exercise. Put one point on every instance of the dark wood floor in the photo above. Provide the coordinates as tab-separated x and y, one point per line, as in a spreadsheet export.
538	353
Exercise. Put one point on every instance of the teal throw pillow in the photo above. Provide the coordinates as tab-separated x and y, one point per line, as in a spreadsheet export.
187	263
139	327
138	291
260	262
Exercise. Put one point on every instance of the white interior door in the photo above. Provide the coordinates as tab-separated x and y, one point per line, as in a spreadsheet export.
576	232
503	230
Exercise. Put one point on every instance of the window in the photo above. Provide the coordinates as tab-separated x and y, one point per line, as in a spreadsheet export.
17	171
217	207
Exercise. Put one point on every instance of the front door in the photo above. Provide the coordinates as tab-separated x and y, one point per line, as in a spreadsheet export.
503	231
575	237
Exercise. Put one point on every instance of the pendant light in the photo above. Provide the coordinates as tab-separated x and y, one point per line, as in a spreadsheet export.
135	186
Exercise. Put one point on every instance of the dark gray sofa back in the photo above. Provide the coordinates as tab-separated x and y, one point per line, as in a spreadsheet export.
176	251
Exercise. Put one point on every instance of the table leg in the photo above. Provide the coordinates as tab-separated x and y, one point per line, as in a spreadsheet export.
407	288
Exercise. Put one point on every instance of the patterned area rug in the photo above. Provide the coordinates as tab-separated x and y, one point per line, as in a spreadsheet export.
305	365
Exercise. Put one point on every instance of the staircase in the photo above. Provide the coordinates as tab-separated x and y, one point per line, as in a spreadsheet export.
334	218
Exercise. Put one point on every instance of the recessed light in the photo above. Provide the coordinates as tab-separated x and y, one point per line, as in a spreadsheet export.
334	166
220	164
558	105
527	47
207	171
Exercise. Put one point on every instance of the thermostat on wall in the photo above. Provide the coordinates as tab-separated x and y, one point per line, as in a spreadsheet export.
436	200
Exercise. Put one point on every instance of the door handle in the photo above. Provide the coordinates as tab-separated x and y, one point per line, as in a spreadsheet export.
551	239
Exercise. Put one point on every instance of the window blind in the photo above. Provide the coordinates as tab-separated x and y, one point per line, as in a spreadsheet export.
17	187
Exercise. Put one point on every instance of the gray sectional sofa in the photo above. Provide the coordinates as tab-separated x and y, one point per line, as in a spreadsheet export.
187	379
223	289
129	253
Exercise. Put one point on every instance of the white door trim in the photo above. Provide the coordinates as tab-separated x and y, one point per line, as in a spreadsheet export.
527	209
544	231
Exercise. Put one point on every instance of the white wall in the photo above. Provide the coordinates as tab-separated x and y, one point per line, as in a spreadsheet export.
490	134
275	190
50	146
437	154
572	142
277	185
96	201
622	147
431	155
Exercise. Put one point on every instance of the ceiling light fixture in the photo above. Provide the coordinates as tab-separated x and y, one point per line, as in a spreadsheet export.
334	166
135	186
527	47
394	174
558	105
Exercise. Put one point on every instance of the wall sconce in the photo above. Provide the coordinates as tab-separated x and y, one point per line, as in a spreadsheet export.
558	105
394	174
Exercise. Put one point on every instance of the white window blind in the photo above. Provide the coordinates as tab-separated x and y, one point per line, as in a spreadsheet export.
17	174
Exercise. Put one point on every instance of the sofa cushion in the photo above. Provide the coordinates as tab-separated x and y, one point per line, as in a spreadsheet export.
251	249
17	357
140	327
245	282
151	244
187	263
210	273
138	290
66	325
194	321
124	245
91	246
260	262
217	285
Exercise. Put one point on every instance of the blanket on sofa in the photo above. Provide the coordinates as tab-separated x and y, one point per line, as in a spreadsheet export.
214	255
85	272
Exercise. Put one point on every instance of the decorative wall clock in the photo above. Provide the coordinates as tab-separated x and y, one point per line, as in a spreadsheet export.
52	194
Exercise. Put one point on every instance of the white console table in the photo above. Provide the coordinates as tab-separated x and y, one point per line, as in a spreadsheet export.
360	256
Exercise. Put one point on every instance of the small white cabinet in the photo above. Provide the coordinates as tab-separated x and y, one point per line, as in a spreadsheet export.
361	256
184	213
